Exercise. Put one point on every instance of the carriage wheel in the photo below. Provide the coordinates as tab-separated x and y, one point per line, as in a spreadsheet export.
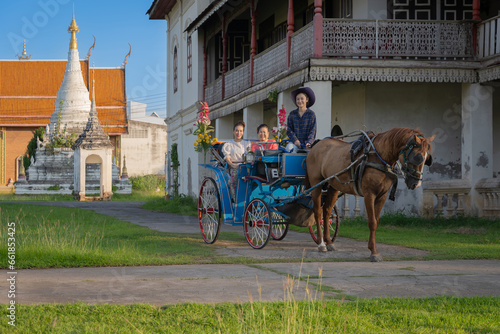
280	229
209	213
333	223
257	223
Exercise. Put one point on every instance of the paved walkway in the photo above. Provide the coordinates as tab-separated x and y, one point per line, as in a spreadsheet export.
232	283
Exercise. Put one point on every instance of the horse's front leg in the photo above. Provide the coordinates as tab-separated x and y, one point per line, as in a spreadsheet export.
316	198
373	207
330	200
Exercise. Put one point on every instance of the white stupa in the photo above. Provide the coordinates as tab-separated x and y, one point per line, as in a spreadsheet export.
75	107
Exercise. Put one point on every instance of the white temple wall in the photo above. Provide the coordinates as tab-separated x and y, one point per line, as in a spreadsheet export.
144	148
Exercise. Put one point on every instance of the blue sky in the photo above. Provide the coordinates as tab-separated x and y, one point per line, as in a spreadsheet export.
44	24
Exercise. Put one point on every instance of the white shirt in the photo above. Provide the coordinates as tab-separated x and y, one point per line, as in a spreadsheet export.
234	150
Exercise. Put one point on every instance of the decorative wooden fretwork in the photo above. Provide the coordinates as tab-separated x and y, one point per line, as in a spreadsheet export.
390	38
301	47
270	62
237	80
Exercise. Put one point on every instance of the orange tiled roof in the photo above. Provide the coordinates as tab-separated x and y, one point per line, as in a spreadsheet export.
28	92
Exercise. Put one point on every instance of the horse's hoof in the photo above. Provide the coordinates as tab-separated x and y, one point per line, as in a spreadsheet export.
331	248
322	248
376	258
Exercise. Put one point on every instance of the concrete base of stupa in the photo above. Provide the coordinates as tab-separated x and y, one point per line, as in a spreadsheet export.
53	173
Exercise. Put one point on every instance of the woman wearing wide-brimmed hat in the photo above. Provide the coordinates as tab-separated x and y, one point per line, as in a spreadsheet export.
301	125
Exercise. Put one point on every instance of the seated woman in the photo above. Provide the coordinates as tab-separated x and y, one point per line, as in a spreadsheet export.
264	142
233	152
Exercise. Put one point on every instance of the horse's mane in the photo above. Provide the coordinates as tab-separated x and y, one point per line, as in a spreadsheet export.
396	138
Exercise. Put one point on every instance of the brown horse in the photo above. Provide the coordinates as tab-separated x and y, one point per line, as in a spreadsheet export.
331	156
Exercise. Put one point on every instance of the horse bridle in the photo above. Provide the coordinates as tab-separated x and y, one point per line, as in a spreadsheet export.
411	157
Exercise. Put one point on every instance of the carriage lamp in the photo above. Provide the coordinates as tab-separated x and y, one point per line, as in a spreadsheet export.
250	157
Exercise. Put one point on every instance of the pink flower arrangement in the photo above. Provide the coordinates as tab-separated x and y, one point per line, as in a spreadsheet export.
205	140
280	130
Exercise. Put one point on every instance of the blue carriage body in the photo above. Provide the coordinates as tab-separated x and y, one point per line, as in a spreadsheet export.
272	178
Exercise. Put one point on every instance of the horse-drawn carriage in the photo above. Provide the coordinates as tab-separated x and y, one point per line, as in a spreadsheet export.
275	188
267	197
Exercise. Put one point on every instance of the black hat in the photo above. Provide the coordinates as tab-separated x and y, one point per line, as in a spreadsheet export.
306	90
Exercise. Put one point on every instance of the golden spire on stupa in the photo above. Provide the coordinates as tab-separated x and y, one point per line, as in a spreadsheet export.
73	29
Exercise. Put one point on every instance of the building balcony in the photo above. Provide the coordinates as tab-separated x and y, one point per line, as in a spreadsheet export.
445	44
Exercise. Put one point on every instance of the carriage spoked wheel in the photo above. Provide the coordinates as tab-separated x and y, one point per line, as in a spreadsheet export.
209	212
257	223
333	222
280	228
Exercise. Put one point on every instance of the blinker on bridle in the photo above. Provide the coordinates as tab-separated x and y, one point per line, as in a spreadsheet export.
411	157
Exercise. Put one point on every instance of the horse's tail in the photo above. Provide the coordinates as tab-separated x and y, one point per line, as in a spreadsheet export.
306	182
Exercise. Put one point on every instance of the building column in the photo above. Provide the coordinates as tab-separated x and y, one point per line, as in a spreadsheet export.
253	40
477	138
204	63
318	30
253	116
476	10
322	107
224	127
224	56
285	100
107	173
290	22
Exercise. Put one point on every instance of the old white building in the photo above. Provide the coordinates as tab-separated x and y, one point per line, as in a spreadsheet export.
145	145
373	64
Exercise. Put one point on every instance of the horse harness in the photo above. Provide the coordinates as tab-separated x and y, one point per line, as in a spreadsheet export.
363	143
357	166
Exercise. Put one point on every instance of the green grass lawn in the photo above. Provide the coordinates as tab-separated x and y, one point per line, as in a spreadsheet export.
388	315
184	205
66	237
454	238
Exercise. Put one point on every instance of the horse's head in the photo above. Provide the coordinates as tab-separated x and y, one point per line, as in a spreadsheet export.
413	157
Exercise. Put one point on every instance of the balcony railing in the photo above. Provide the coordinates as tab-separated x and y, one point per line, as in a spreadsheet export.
488	38
445	198
490	190
213	91
396	38
237	80
270	63
301	48
443	40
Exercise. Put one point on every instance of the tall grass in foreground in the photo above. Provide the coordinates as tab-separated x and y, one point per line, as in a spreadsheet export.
387	315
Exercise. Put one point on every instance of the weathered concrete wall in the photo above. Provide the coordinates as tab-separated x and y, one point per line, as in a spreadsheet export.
432	108
144	148
496	132
348	106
